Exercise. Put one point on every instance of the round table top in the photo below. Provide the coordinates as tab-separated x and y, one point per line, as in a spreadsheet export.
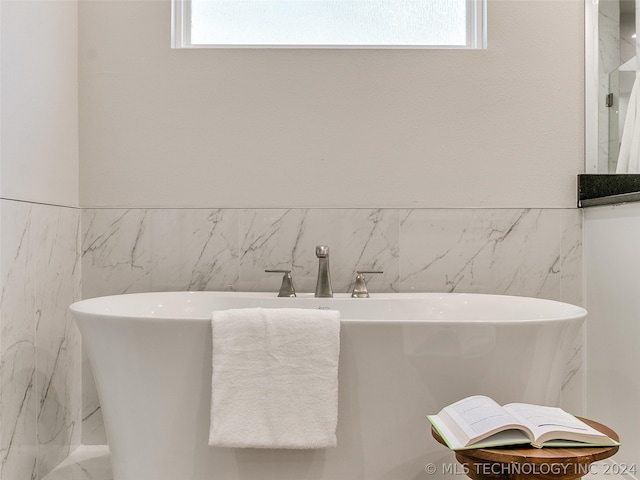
529	454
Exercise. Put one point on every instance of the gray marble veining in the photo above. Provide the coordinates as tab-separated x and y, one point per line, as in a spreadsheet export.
533	252
359	239
18	409
507	251
40	346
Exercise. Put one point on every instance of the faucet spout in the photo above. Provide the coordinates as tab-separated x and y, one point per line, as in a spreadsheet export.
323	286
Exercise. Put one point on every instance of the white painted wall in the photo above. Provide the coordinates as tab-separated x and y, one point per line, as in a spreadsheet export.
39	89
40	397
498	128
612	273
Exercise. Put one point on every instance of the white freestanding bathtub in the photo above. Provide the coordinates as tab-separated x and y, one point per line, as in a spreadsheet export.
402	356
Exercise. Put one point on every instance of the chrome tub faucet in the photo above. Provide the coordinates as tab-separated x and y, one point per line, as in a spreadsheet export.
323	286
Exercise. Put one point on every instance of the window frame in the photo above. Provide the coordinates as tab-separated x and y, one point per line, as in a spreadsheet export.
476	32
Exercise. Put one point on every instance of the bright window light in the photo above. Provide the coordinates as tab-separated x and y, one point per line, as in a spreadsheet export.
329	23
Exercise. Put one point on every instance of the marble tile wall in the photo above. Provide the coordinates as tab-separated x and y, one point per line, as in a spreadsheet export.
532	252
40	356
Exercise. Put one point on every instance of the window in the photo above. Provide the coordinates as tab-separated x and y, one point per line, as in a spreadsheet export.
329	23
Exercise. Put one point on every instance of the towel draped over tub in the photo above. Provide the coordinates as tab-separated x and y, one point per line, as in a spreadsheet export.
275	378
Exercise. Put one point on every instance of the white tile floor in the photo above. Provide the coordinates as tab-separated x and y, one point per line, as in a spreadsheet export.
92	462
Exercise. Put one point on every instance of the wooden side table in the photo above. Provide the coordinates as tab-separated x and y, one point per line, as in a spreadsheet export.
529	463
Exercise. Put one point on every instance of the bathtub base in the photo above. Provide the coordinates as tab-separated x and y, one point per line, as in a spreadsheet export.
383	398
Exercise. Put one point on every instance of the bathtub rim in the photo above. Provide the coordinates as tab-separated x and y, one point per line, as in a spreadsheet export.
87	307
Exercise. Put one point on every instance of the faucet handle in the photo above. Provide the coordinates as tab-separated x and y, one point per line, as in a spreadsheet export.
286	289
360	287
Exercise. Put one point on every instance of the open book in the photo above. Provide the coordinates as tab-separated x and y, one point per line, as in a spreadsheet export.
479	422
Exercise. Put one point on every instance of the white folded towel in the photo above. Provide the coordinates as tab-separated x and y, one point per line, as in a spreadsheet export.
275	378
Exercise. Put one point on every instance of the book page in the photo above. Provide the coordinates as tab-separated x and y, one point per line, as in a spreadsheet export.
507	437
545	420
478	416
